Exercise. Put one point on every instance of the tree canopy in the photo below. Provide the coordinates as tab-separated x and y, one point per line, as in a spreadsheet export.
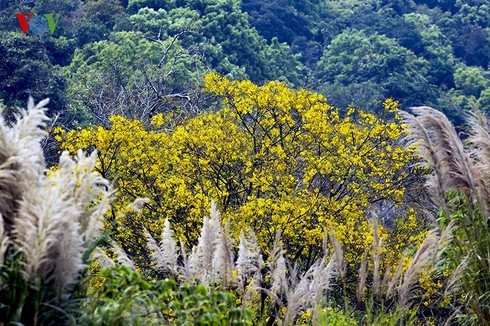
272	158
353	52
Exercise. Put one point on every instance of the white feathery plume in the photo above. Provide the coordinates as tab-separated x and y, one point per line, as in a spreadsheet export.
308	293
393	283
432	249
422	256
223	242
48	228
453	283
93	193
27	127
44	213
10	193
168	248
361	285
386	277
44	217
100	256
193	263
25	141
88	212
138	204
122	257
152	245
242	259
21	157
21	170
444	152
252	294
249	264
339	256
218	229
206	278
184	270
201	258
221	270
134	207
480	139
222	258
294	278
93	217
231	243
215	221
164	255
69	254
321	281
376	254
420	135
298	298
249	261
277	268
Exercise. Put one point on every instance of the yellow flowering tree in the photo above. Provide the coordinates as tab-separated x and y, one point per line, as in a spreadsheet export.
273	159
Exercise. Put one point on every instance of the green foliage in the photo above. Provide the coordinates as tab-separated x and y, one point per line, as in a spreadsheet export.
412	48
471	88
124	297
385	317
483	102
441	34
144	75
235	48
135	5
95	19
469	251
354	57
470	80
279	19
468	32
194	305
26	70
436	48
334	317
104	12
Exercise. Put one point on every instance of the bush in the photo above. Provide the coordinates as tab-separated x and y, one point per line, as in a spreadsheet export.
125	298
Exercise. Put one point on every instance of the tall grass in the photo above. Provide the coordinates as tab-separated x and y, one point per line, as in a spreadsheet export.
459	183
48	225
279	293
212	262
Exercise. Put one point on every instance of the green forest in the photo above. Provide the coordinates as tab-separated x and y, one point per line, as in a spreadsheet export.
244	162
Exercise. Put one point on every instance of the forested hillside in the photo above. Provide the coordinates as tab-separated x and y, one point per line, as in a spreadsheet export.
354	52
244	162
